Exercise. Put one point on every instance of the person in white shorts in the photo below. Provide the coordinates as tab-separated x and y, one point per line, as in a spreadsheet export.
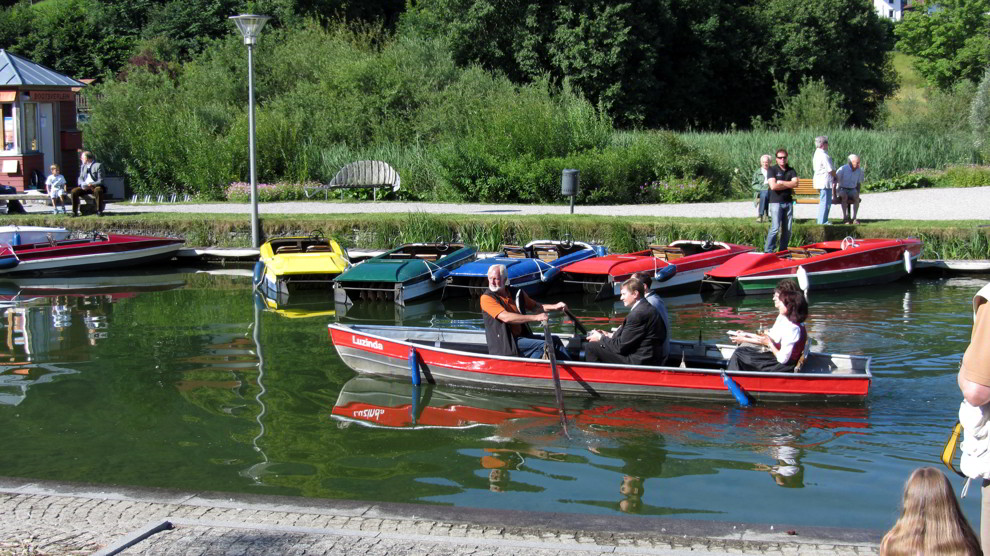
55	184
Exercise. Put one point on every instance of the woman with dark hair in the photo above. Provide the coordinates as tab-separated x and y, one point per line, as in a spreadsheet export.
780	348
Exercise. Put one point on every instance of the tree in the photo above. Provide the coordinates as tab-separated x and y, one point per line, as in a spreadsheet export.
842	42
673	63
950	40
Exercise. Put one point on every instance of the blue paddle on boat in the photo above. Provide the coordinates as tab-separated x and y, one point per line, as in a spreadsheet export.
737	392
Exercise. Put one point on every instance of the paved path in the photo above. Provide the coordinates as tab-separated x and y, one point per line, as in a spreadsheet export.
59	518
916	204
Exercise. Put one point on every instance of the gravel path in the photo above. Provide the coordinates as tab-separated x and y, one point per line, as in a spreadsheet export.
916	204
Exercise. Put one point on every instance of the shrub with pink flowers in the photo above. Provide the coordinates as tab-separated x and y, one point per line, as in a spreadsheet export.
240	191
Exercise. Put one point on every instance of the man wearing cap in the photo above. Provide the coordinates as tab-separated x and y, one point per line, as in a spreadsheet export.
90	182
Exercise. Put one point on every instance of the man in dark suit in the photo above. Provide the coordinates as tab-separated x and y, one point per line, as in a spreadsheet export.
90	183
639	341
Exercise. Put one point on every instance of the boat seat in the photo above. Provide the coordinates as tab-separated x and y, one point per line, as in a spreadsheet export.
427	256
546	253
666	253
798	253
288	249
514	252
814	252
319	249
400	256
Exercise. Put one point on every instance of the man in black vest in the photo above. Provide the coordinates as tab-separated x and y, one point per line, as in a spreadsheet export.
506	326
639	340
90	182
782	180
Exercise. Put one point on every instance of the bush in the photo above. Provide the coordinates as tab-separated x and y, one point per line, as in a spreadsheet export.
907	181
813	106
240	192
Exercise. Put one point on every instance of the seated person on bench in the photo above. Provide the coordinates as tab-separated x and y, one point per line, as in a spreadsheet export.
640	338
785	340
505	325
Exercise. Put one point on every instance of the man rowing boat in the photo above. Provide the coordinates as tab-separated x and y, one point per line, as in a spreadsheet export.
506	326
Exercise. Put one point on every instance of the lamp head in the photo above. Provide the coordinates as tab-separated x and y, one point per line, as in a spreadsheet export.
250	26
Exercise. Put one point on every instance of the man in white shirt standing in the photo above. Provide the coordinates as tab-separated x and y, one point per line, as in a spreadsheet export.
824	178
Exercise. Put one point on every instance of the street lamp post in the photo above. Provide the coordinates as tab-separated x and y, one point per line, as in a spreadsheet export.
250	26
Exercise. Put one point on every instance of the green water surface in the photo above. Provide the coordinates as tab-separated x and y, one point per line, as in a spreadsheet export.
180	380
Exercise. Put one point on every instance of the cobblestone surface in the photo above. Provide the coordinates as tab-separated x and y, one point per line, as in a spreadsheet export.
69	520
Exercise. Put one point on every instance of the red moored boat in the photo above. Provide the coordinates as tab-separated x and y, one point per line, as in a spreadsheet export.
450	356
691	258
98	252
829	265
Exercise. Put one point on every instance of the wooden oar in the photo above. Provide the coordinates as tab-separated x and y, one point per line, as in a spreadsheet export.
552	352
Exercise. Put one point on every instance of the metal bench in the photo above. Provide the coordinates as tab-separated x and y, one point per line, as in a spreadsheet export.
373	174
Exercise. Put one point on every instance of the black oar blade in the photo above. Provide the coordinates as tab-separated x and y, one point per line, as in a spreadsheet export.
552	352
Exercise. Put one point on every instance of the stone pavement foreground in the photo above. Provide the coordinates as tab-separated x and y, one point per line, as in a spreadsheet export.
40	517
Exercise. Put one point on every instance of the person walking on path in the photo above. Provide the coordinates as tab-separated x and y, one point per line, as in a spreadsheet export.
90	182
850	179
782	180
759	186
824	178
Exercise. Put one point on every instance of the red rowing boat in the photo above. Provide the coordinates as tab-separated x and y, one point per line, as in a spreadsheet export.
452	356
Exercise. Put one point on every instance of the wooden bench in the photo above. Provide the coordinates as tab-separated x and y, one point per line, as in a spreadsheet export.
546	253
514	251
805	192
666	253
25	197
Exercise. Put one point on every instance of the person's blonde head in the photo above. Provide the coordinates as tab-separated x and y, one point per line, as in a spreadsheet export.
931	521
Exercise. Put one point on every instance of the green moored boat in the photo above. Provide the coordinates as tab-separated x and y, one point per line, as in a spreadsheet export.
410	271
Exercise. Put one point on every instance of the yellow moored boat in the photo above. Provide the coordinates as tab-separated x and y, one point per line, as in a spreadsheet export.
298	262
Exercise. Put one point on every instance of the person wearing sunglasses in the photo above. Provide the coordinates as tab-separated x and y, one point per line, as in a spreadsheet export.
782	179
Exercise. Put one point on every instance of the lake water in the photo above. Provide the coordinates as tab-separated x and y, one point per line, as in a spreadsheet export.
182	380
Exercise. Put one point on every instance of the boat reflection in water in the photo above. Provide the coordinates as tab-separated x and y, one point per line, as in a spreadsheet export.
301	305
43	320
642	442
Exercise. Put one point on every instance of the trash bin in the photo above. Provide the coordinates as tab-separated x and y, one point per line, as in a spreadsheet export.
114	186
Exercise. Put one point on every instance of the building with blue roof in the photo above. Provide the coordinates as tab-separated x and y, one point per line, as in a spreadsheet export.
37	122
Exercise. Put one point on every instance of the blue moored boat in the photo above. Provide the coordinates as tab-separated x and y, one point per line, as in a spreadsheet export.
531	268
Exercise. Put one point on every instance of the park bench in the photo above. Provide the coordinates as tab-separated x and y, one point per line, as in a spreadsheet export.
372	174
805	192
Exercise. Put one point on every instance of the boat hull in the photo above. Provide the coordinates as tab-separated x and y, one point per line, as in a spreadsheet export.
114	251
385	355
603	276
872	262
533	275
409	272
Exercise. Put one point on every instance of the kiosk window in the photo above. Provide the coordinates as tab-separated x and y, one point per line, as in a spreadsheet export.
8	126
31	127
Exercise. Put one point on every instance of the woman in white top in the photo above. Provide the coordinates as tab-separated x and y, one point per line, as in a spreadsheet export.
780	348
55	184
